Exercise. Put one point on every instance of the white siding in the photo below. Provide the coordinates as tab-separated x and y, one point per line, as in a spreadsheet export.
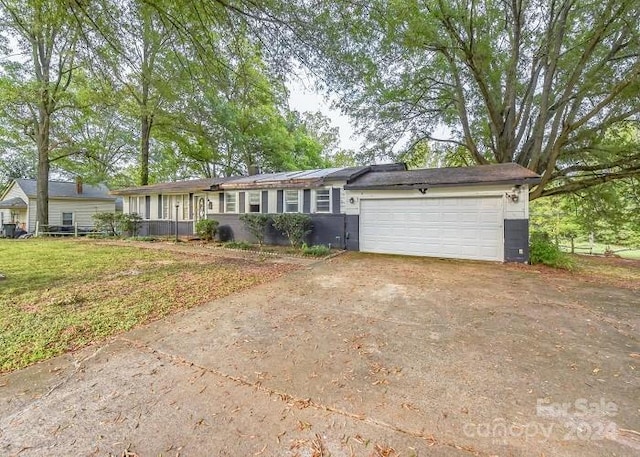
23	215
512	210
214	198
125	204
519	209
273	200
153	211
15	191
82	210
32	212
340	184
20	216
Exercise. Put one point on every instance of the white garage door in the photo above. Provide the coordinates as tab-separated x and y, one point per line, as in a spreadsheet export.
462	228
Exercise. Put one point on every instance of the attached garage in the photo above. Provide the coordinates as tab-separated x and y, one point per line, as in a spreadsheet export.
478	213
451	227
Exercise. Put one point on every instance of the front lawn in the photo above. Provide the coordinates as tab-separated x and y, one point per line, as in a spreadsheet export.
60	295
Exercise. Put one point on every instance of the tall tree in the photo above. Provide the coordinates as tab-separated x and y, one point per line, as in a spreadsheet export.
41	66
535	82
131	46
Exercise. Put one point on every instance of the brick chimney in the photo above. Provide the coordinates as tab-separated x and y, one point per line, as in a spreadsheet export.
253	170
78	185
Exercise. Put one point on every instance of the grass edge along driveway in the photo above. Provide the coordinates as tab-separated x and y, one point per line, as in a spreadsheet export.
61	295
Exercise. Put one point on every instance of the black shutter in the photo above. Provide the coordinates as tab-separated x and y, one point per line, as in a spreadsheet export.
159	206
265	201
241	202
306	201
147	207
190	206
335	200
221	202
279	203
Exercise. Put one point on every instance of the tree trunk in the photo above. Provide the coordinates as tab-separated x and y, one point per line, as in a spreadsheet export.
42	186
145	134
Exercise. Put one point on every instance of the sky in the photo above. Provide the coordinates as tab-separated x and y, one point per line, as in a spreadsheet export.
303	97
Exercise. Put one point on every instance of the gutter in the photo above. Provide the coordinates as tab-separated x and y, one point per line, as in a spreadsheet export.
427	185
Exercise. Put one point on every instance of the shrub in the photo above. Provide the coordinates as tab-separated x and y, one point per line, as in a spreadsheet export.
543	250
239	245
294	226
207	229
130	223
143	238
256	224
318	250
109	223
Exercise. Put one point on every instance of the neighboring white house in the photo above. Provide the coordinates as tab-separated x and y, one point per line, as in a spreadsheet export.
477	212
70	203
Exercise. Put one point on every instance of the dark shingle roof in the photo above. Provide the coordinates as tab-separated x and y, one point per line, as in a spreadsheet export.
302	178
507	173
292	179
347	173
13	203
60	189
192	185
353	172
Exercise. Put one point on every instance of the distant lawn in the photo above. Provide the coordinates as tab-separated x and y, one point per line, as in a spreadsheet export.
584	247
60	295
621	272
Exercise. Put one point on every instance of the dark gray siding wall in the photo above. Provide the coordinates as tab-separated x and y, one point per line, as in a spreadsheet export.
165	228
327	229
516	240
353	232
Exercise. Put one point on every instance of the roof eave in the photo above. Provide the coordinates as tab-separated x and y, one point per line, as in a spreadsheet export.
285	184
520	181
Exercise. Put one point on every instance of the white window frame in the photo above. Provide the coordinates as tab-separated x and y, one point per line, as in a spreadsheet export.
315	200
285	202
249	204
234	202
62	217
166	207
133	205
138	206
185	207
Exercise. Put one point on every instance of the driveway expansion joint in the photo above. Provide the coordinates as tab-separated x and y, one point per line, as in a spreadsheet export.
302	403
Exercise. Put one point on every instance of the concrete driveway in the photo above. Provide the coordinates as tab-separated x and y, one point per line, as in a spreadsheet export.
361	355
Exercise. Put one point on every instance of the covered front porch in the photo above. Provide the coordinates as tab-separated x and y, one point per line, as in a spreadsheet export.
13	215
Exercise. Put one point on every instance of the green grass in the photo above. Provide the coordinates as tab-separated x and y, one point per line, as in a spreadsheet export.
61	294
318	250
243	245
584	247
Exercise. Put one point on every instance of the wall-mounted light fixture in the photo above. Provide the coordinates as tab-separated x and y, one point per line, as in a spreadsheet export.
514	195
352	200
423	190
